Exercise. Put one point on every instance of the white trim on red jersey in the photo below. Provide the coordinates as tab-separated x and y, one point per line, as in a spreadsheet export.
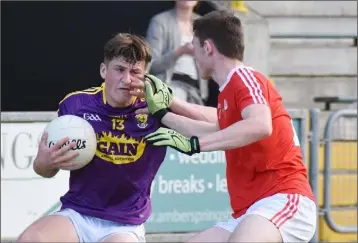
228	78
250	81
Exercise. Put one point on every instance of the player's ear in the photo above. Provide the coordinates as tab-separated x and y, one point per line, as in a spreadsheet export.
103	70
208	47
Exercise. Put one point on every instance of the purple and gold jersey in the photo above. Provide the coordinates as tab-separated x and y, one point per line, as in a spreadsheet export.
116	185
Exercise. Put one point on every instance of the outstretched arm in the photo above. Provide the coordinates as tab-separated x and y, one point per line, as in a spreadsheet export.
189	127
256	125
193	111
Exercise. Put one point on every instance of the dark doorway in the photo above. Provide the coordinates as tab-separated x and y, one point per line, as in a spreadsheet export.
49	49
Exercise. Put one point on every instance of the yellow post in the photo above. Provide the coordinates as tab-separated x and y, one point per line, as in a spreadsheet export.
239	6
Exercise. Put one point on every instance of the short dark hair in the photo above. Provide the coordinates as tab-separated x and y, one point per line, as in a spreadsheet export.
132	48
224	29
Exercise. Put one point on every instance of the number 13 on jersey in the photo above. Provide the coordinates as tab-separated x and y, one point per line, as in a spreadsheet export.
117	124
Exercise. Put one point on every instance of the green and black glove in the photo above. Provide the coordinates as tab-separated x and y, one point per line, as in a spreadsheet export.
159	96
168	137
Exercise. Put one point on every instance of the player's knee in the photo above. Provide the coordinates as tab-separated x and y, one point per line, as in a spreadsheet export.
255	228
30	235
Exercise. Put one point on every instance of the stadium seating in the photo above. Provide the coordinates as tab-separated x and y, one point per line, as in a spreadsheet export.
313	48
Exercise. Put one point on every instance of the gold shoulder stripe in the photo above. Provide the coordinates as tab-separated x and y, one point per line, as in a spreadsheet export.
91	91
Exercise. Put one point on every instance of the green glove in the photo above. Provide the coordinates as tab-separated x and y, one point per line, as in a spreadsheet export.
159	99
168	137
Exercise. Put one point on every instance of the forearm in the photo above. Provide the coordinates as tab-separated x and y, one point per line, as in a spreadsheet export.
188	127
238	135
47	173
193	111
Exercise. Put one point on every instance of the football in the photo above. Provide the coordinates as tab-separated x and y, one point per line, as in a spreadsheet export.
78	130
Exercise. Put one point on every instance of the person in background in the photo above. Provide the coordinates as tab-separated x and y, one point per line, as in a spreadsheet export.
170	36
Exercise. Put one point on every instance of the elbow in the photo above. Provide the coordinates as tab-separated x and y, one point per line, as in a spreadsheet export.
265	130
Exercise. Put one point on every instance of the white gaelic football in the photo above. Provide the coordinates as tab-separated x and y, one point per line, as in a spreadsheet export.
78	130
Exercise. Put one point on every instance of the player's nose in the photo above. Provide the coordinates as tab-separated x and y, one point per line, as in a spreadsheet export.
126	79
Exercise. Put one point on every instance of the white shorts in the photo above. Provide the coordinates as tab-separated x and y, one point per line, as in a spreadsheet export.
91	229
294	215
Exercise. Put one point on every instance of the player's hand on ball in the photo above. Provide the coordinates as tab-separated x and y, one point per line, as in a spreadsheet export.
57	156
171	138
159	96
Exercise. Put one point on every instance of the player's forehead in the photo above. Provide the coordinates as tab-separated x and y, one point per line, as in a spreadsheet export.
121	62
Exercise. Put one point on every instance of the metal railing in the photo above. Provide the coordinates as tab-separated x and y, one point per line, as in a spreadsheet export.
333	157
328	171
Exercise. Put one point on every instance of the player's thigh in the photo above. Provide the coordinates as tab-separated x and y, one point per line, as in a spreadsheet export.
121	237
293	216
255	228
53	228
213	234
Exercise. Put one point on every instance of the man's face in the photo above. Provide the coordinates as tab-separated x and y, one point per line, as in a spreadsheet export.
118	76
203	59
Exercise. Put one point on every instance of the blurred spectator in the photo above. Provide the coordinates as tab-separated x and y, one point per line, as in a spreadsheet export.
170	35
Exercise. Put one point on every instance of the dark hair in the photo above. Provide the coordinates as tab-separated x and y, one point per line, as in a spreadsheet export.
131	48
224	29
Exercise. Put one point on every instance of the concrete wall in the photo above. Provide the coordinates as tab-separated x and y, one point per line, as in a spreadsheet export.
304	68
308	17
298	92
312	25
310	59
304	8
257	44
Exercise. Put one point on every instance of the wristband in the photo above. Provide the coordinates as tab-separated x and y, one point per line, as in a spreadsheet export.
160	114
194	144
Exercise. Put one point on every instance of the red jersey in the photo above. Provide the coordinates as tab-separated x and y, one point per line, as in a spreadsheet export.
269	166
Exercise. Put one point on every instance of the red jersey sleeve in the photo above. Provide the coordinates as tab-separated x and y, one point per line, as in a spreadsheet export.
250	88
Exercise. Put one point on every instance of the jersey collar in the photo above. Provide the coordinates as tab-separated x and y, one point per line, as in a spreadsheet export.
228	78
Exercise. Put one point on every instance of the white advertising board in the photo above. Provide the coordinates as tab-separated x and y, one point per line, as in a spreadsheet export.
25	196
